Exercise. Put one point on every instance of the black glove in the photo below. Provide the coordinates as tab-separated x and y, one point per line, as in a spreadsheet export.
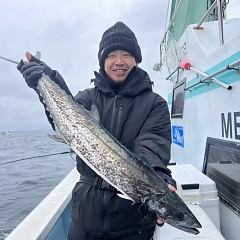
168	179
33	70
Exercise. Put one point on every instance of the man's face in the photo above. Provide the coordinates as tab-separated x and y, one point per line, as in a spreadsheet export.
118	64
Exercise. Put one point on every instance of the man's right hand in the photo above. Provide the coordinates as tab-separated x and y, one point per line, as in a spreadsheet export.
32	70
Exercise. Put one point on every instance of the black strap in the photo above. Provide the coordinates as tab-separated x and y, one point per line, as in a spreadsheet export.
97	182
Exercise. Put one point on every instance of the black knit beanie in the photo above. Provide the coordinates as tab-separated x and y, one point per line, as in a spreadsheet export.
118	37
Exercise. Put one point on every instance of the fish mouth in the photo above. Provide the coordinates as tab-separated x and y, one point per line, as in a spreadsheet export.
189	230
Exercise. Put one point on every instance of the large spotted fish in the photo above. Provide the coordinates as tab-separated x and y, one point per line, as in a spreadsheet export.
135	179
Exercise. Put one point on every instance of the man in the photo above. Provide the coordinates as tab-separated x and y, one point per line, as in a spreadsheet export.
136	116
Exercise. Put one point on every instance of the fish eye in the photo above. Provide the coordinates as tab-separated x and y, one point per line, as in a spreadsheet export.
179	216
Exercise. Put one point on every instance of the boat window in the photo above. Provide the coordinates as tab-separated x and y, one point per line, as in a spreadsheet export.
178	99
222	165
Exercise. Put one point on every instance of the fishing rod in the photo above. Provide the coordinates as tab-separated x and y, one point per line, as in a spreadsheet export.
37	55
46	155
9	60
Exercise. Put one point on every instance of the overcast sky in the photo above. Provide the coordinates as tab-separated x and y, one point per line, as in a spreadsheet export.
67	33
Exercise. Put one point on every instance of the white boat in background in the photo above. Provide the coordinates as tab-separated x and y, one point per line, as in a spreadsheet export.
6	133
200	58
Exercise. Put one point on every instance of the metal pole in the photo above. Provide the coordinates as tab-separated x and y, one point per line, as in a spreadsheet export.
220	22
173	73
211	76
157	67
206	15
170	24
228	67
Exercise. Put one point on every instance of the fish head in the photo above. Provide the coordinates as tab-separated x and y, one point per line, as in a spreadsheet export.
181	219
176	213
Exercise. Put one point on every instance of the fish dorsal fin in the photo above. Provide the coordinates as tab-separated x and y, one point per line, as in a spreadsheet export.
95	113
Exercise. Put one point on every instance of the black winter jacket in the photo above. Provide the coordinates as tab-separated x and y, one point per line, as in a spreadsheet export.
139	119
136	116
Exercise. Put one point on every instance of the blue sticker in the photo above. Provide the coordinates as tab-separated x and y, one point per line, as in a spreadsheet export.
177	135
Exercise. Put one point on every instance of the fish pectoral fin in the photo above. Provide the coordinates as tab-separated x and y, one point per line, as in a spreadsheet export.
57	138
94	112
124	196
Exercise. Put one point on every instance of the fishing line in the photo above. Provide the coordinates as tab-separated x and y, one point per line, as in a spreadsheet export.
47	155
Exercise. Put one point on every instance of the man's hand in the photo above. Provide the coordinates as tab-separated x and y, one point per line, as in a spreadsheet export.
32	70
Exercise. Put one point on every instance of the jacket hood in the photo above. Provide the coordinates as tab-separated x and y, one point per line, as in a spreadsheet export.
137	81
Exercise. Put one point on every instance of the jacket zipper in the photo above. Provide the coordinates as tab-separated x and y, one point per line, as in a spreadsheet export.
114	113
116	117
120	110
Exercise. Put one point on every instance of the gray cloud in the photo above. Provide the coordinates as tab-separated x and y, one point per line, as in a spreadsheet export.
67	33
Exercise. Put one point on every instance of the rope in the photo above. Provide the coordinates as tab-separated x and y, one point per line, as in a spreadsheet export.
47	155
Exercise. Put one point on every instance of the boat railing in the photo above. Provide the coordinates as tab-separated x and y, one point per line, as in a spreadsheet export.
206	78
206	15
171	22
220	19
218	3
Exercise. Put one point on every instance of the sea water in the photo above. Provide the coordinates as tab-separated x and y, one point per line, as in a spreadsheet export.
31	165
